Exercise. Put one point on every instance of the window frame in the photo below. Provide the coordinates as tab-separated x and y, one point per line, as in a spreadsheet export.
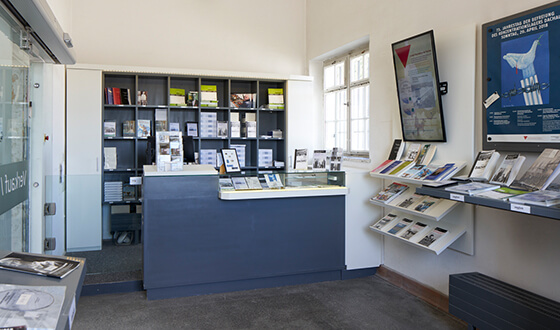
348	86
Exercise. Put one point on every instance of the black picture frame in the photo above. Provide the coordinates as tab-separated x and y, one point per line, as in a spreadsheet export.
418	91
510	122
230	160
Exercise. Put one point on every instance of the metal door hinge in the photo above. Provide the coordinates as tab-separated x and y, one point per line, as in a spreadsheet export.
50	243
50	209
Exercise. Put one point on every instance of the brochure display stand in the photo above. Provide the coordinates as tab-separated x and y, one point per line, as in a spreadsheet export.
455	218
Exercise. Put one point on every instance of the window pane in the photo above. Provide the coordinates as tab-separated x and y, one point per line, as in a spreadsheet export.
330	134
359	116
359	67
339	74
341	134
356	68
330	106
366	65
328	77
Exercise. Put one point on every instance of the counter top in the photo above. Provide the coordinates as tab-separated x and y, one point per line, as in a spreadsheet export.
151	170
283	193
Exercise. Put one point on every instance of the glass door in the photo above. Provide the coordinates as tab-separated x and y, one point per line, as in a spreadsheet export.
14	136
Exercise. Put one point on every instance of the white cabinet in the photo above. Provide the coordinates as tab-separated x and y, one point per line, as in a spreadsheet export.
83	160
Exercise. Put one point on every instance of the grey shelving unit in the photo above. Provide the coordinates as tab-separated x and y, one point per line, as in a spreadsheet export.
551	212
131	155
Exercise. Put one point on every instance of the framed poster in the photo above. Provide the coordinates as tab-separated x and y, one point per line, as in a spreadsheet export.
231	162
418	88
521	80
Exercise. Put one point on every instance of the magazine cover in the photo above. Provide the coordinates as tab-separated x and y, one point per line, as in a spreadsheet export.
38	265
400	226
433	236
413	230
384	221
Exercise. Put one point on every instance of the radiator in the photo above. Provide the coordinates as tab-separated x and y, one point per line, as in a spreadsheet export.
486	303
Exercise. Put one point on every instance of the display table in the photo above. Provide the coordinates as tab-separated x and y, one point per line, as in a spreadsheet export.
73	283
196	243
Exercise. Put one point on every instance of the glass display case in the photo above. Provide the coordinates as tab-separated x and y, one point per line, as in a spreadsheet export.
279	184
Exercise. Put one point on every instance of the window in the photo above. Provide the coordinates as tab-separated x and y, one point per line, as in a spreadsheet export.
346	103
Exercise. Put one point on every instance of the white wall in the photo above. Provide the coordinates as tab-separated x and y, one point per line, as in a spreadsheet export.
241	35
512	247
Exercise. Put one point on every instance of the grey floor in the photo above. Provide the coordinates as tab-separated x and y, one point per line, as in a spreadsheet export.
364	303
113	263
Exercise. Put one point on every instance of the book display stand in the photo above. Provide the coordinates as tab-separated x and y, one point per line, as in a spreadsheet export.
454	217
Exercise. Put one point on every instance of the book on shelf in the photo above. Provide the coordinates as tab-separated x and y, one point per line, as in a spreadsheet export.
109	129
209	96
412	152
161	120
174	127
192	99
110	158
427	153
129	192
433	236
391	192
472	188
239	183
319	159
300	159
222	128
508	169
397	149
265	157
112	191
144	128
117	95
387	169
253	183
177	97
501	193
142	98
240	150
537	197
382	166
484	165
125	96
441	172
426	204
50	266
411	201
412	171
541	173
401	225
425	171
249	129
129	128
273	181
401	168
235	129
276	98
109	96
383	221
191	127
241	100
415	229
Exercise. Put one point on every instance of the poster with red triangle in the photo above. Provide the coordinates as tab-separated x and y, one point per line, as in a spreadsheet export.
402	53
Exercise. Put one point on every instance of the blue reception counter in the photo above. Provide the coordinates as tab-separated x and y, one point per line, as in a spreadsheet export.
196	243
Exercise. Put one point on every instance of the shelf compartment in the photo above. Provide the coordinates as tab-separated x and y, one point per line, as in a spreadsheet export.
455	231
440	210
